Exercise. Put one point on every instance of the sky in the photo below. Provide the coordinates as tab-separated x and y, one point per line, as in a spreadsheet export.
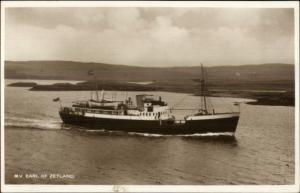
157	37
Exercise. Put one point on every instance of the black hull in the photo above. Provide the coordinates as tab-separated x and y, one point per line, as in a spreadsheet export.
153	127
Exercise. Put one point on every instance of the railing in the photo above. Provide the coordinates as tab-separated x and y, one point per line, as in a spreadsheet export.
98	111
79	110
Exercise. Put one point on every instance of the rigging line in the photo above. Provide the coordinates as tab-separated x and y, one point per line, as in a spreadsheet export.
184	109
226	104
181	100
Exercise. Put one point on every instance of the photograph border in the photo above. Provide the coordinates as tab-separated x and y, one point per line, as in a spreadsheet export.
154	188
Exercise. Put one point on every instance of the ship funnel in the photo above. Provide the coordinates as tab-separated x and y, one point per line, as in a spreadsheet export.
139	101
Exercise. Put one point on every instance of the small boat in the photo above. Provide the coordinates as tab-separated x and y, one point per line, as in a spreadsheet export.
150	114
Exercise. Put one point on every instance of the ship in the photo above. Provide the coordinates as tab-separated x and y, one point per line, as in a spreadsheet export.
148	114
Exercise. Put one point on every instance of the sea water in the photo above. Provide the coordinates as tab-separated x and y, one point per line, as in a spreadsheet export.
39	149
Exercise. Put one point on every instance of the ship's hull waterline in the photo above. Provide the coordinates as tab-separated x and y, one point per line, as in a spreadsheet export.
166	127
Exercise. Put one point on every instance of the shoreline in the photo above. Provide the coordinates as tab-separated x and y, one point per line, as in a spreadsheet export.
261	97
264	98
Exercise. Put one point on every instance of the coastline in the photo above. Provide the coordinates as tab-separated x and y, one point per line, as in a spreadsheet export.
286	98
265	96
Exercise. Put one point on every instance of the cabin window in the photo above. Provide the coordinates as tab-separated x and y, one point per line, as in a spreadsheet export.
150	109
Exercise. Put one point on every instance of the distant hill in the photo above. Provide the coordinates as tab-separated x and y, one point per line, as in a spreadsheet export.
68	70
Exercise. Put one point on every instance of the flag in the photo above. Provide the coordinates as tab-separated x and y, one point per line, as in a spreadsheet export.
91	72
56	99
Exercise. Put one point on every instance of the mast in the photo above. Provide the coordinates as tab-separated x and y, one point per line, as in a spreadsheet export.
96	84
203	90
91	73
